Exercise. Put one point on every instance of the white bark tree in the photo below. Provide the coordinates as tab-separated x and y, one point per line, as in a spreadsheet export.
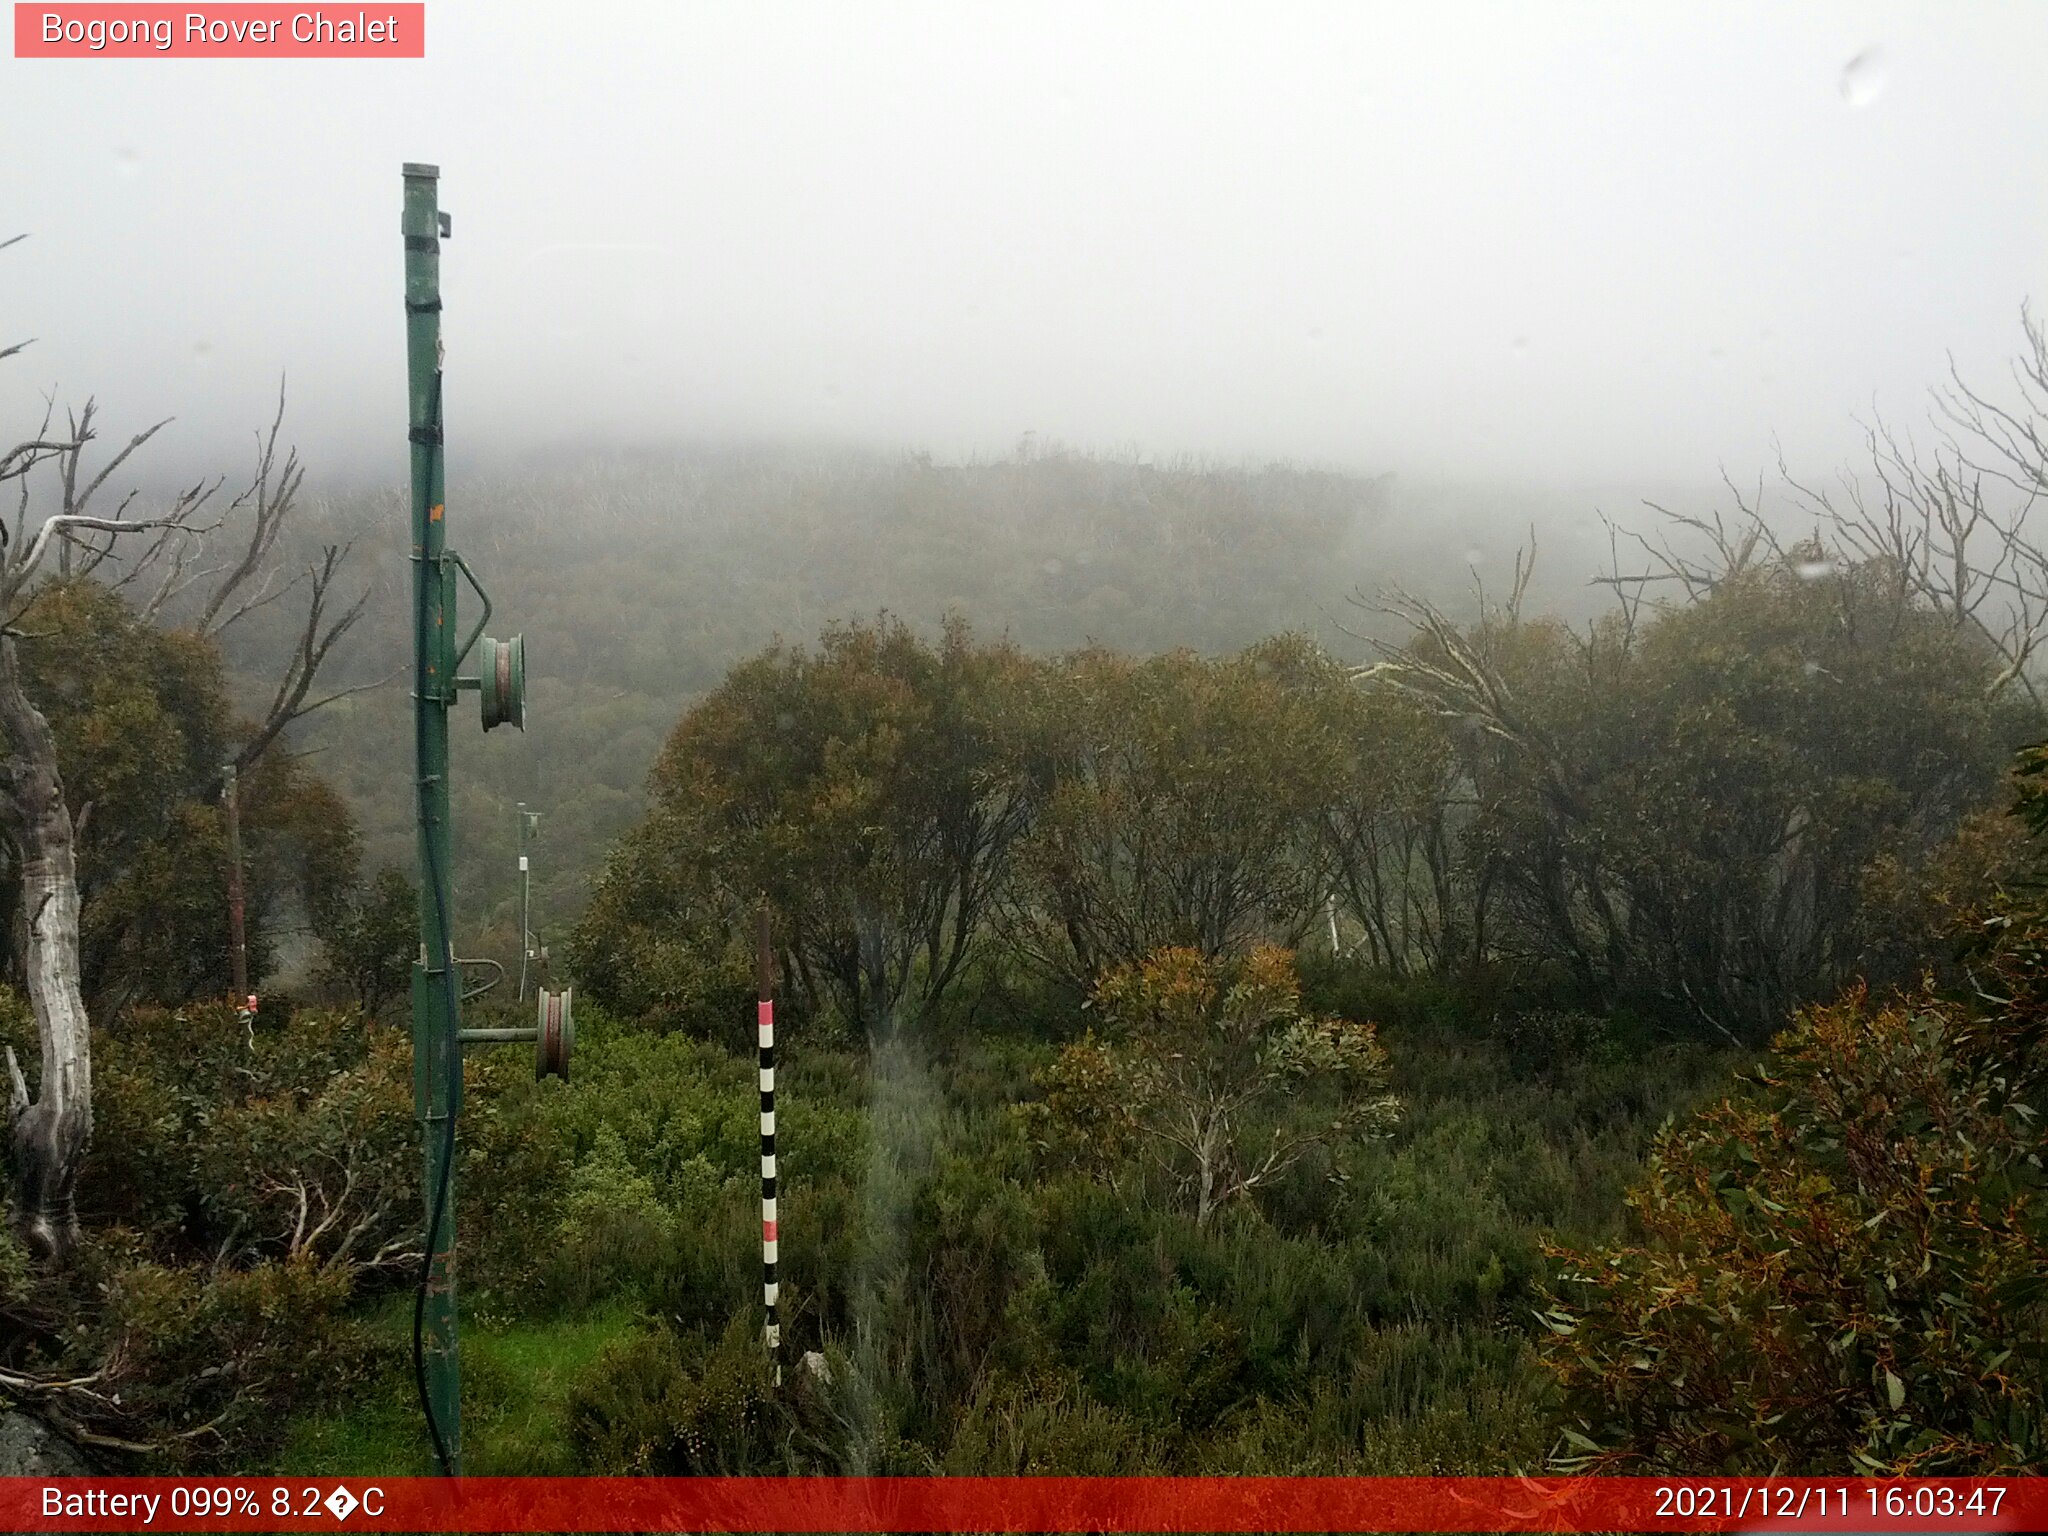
50	1129
50	1126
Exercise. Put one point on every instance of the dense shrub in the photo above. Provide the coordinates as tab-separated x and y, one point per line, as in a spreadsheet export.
869	791
231	1145
241	1189
1183	805
369	941
210	1366
1843	1260
1213	1073
660	944
1546	1038
1047	1426
660	1404
1843	1267
1711	810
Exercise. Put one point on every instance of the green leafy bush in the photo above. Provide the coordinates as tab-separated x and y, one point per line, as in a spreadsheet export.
869	790
211	1366
1843	1266
369	941
662	1404
1546	1038
1181	805
1212	1072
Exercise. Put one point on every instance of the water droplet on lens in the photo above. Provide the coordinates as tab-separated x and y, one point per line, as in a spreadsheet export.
1053	567
1472	556
1864	77
1814	570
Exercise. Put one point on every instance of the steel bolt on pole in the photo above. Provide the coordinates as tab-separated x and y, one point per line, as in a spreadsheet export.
437	1056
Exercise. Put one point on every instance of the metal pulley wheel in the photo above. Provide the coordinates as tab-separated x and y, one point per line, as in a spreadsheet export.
501	678
556	1037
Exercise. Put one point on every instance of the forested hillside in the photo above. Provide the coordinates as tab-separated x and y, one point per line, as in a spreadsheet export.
1215	1038
639	579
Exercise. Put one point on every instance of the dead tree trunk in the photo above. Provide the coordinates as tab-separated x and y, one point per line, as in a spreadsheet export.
50	1132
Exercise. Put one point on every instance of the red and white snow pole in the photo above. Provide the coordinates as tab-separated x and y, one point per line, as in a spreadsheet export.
764	968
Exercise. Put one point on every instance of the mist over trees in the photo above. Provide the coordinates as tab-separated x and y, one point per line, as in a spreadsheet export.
1707	811
1232	980
640	579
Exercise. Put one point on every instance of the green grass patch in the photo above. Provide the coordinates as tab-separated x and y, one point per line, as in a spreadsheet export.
516	1379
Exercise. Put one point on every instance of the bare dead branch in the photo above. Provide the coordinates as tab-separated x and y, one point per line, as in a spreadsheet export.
317	638
25	456
270	496
22	568
1945	520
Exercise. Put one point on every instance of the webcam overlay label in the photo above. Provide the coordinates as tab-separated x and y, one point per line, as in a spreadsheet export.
1026	1504
239	31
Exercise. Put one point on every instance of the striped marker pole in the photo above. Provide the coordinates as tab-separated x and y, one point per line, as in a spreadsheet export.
764	970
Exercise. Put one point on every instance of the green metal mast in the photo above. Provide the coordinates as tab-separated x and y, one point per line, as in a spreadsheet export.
500	684
436	991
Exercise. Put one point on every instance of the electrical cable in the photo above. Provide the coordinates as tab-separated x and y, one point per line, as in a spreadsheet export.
453	1052
441	1187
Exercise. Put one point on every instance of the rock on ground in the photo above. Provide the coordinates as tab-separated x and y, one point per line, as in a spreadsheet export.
30	1448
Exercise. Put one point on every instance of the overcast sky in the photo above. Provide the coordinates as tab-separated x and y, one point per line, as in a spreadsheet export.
1571	243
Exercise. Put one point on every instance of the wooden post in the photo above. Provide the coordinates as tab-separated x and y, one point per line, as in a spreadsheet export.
238	932
238	941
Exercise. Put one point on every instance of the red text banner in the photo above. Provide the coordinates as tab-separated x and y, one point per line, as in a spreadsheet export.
1022	1504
